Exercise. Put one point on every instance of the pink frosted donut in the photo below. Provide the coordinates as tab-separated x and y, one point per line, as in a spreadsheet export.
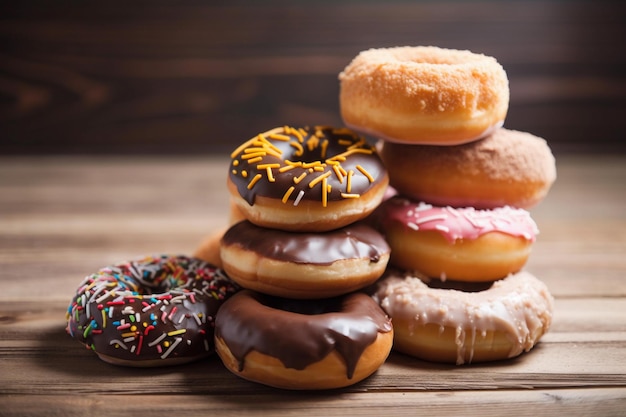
461	244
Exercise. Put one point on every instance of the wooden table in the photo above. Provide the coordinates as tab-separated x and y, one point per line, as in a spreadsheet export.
64	217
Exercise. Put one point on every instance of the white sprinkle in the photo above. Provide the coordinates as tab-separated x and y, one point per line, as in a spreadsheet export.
137	318
179	299
172	347
453	211
413	226
132	348
129	339
157	340
128	310
442	228
111	312
297	200
195	316
102	297
182	317
423	206
206	345
432	218
188	342
119	342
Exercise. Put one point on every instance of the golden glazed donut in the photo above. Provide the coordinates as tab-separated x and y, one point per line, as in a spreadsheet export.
424	95
306	179
302	344
462	244
455	326
507	167
304	265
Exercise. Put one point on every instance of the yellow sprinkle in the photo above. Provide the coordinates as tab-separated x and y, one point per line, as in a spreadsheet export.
319	178
312	164
234	171
166	343
269	147
299	149
324	148
255	160
346	195
338	173
312	143
287	168
270	175
253	155
130	334
287	194
236	162
344	142
318	169
265	166
254	180
244	173
364	172
104	319
299	178
176	332
279	136
133	328
296	134
324	192
241	148
302	131
349	181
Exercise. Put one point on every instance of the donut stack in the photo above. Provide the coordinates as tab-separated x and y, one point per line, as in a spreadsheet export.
302	253
458	227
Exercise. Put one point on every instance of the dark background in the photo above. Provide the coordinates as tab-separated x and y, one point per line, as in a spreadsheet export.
199	77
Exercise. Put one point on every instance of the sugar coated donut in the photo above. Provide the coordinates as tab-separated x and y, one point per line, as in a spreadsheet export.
455	326
151	312
424	95
306	179
305	264
302	344
507	167
461	244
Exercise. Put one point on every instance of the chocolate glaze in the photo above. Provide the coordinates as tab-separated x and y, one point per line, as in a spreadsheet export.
154	308
355	241
282	181
300	333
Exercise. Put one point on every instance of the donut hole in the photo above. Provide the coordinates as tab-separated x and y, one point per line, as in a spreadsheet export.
302	306
458	285
155	281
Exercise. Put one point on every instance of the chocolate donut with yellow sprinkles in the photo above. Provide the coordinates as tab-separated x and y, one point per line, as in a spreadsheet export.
306	179
151	312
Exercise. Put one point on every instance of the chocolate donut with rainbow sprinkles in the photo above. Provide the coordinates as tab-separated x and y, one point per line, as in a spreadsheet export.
154	311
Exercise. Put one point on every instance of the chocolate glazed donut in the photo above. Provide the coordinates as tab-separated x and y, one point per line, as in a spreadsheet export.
285	343
304	265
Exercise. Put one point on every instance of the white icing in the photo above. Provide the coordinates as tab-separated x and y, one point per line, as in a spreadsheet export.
520	306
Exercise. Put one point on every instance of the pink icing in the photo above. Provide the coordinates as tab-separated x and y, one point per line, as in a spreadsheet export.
458	223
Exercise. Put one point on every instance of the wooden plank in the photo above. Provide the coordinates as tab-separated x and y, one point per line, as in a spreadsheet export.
568	356
572	402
